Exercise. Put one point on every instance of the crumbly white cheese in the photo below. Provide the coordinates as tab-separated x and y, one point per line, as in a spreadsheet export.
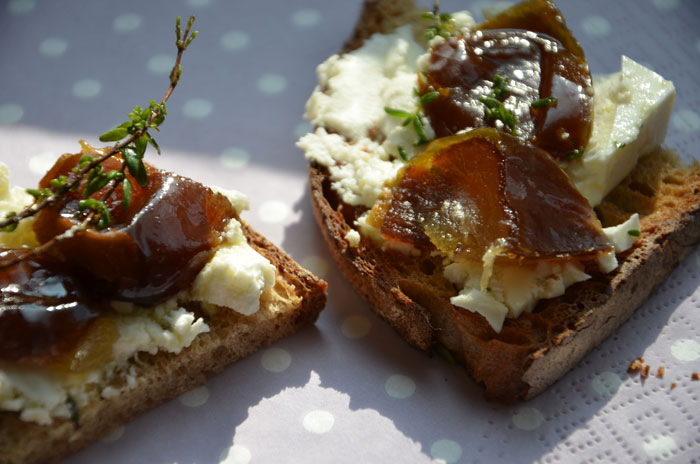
357	169
510	290
235	278
353	91
14	200
624	235
630	116
353	237
39	395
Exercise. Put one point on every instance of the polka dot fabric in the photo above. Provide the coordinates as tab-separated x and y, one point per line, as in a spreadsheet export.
71	70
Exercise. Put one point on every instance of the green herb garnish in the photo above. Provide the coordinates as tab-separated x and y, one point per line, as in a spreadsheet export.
402	153
620	144
576	154
544	102
444	353
634	232
495	109
131	140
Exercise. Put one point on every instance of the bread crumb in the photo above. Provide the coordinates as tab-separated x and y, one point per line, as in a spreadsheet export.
660	372
695	376
645	373
673	385
636	366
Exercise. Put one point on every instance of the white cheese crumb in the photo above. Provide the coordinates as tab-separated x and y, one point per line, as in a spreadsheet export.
236	276
353	238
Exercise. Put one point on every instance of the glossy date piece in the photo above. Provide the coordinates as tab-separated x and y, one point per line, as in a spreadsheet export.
45	316
530	46
153	249
485	189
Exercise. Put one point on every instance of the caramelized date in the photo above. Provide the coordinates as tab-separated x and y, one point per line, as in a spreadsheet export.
42	311
153	249
530	46
469	193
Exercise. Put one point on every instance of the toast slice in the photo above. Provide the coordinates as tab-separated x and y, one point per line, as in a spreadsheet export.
534	350
295	299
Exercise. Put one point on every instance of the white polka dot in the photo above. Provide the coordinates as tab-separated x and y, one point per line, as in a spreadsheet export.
236	454
42	162
53	46
527	418
400	386
355	327
161	64
596	26
686	120
197	108
199	3
11	113
20	7
234	158
195	397
87	88
276	360
318	421
114	435
234	40
665	4
272	84
447	450
606	384
273	211
127	22
660	447
306	18
685	349
302	129
317	265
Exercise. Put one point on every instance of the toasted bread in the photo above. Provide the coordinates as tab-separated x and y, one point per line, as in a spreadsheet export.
534	350
295	300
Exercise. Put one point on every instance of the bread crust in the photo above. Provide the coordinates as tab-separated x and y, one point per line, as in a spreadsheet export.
536	349
295	300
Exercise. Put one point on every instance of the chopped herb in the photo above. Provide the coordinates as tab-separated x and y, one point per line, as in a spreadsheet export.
544	102
576	154
397	113
620	144
402	153
488	289
499	87
428	97
444	353
74	412
634	232
416	117
496	110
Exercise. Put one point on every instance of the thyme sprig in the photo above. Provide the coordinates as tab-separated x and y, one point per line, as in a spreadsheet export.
131	140
442	24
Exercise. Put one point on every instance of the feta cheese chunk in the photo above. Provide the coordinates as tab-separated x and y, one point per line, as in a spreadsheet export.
631	111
